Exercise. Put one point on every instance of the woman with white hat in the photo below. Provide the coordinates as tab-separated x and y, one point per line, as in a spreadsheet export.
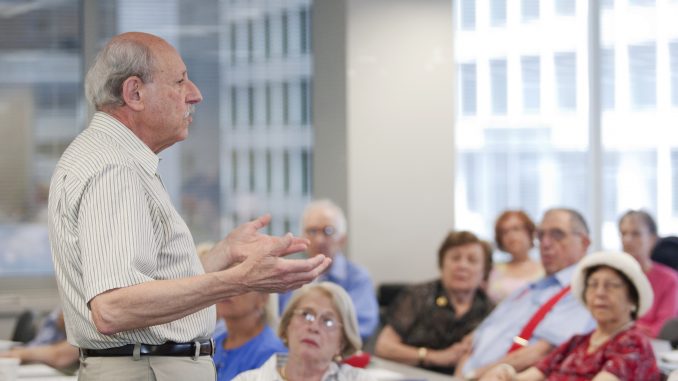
615	290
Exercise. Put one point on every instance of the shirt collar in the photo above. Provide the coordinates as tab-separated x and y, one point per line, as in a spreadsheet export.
562	278
127	140
338	271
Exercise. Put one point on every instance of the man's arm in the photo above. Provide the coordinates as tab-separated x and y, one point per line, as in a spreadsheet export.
521	359
59	355
162	301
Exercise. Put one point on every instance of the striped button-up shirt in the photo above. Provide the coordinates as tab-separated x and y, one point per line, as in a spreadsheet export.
112	225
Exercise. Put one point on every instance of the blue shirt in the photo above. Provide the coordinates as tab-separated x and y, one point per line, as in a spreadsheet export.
49	332
357	282
251	355
494	336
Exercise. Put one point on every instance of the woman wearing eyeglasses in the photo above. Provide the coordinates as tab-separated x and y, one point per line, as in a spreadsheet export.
319	327
615	290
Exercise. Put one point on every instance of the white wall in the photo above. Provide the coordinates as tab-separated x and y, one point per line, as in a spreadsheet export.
398	128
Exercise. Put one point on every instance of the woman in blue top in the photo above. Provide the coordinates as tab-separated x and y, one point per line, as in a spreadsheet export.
249	340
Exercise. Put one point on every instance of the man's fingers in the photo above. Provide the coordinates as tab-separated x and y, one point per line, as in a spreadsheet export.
262	221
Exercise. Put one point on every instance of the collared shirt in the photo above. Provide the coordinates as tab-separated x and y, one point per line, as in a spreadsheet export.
494	337
112	225
357	282
335	372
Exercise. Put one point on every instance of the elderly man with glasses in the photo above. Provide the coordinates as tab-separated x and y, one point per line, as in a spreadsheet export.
542	315
323	223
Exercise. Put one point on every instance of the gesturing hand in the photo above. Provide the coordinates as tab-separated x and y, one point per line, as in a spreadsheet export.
258	259
247	239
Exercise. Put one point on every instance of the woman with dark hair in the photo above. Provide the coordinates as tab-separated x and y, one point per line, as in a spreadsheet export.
615	290
514	234
638	232
427	323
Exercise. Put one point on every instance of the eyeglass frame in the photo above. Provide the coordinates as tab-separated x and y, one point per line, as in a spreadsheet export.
310	317
327	231
555	234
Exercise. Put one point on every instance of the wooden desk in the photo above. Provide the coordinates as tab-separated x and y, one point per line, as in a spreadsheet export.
385	370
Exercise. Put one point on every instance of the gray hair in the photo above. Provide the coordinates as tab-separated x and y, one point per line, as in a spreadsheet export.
341	301
120	59
340	218
577	221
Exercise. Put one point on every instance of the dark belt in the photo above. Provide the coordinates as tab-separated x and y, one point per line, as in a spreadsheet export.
194	349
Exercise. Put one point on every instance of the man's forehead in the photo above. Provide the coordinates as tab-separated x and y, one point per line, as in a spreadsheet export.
556	219
320	214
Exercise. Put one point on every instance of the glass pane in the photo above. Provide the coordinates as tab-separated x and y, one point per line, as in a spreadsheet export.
497	12
468	14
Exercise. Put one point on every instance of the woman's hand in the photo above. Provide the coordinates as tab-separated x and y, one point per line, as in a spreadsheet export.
448	356
501	372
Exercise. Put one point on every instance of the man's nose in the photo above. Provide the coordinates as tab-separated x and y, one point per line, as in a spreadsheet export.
194	94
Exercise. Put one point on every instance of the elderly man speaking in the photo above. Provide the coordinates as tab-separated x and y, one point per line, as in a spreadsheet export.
137	300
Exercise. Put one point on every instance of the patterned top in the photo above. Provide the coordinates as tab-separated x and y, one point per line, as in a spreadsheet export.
628	355
423	317
112	225
335	372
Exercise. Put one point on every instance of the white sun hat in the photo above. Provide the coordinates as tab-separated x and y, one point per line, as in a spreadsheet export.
622	262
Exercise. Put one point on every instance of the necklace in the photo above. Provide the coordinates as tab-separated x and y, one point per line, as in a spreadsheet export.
595	343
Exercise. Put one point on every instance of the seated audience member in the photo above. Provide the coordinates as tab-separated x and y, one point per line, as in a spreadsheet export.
639	234
319	327
527	325
61	355
49	345
249	340
514	234
51	329
426	324
665	251
615	290
324	225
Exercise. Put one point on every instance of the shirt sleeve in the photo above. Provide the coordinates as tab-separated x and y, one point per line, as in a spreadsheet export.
665	303
403	311
116	232
553	360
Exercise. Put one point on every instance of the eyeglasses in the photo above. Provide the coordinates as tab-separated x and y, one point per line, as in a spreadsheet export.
606	286
327	231
555	234
328	323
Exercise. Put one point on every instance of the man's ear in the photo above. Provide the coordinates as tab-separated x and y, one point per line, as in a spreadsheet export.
131	93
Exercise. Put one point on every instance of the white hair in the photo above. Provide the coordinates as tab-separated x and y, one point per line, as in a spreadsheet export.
117	61
339	217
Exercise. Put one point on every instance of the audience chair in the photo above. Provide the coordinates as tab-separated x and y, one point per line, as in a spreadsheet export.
669	332
25	327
